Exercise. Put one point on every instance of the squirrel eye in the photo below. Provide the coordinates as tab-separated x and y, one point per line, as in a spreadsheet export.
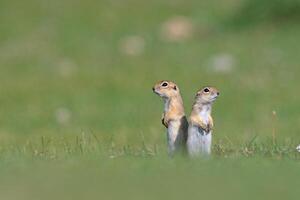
206	90
164	84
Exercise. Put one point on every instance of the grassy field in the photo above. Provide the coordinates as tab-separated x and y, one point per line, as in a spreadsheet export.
78	119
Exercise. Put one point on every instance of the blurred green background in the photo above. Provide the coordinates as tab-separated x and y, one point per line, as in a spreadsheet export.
76	98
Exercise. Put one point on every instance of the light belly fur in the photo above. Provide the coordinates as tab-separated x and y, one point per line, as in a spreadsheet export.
175	136
199	142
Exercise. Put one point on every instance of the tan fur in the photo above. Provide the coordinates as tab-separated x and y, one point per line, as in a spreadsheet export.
197	120
175	110
203	99
173	114
201	123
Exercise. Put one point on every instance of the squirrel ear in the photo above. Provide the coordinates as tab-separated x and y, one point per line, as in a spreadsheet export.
175	88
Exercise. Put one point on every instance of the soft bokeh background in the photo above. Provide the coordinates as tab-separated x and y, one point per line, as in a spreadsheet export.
75	83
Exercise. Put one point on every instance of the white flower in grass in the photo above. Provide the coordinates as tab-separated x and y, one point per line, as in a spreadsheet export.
298	148
177	29
132	45
63	116
66	67
222	63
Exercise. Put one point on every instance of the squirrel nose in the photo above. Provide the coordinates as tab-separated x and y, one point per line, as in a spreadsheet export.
218	93
153	88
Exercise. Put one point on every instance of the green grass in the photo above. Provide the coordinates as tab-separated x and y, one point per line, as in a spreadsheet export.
78	119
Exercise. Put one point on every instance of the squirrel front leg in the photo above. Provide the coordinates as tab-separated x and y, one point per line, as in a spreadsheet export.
206	127
163	121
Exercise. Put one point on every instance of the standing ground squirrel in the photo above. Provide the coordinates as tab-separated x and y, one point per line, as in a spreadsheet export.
201	122
173	118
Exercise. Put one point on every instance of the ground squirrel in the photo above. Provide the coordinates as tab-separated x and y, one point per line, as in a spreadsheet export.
173	118
201	122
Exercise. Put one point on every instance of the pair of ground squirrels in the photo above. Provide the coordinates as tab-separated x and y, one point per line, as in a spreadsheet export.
195	135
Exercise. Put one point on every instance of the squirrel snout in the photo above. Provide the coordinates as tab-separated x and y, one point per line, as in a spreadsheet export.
153	89
218	93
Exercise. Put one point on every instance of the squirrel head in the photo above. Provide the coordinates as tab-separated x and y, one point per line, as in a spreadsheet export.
207	95
166	89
